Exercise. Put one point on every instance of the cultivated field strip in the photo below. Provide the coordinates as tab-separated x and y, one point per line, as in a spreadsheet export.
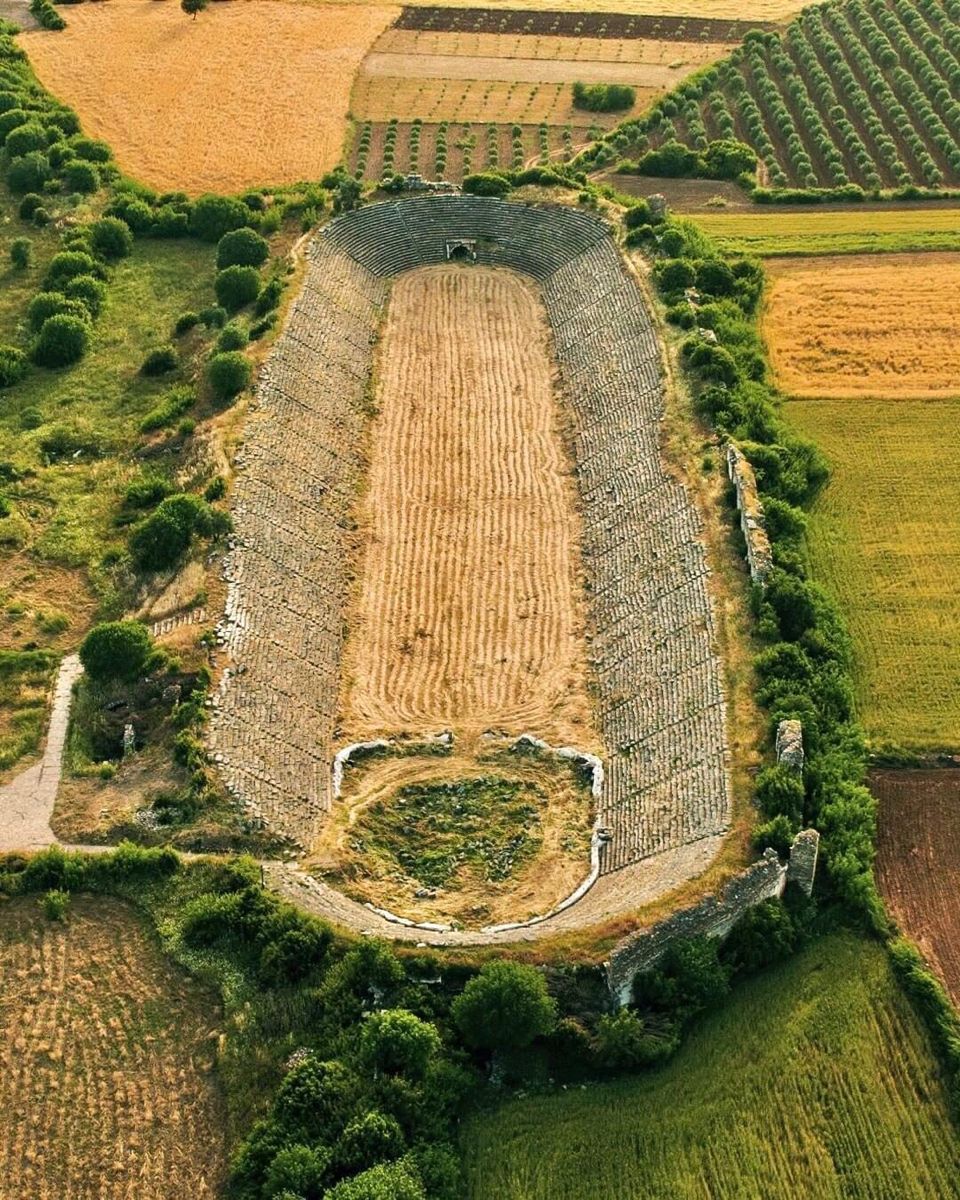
103	1088
470	611
660	699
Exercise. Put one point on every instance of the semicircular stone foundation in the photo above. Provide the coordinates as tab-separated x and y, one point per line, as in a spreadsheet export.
664	804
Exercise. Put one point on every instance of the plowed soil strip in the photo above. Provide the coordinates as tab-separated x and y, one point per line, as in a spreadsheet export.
675	27
469	610
917	867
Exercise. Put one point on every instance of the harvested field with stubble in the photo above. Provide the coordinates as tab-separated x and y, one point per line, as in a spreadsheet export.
917	867
881	327
470	609
247	94
107	1049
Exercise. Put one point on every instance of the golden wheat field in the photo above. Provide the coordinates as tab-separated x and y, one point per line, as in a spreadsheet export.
248	94
882	326
470	612
105	1060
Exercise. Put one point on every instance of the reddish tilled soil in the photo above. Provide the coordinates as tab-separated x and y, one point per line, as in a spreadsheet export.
918	870
578	24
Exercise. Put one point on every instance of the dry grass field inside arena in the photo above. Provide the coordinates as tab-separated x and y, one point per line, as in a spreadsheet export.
883	327
248	94
884	537
105	1064
917	870
470	609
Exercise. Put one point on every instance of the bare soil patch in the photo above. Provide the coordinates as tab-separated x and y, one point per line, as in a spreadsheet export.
879	326
917	869
470	610
252	93
106	1056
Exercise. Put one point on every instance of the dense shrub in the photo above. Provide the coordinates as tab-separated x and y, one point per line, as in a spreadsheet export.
214	317
688	979
111	238
603	97
269	296
29	205
23	139
213	216
185	322
91	149
671	160
170	408
625	1041
237	286
13	366
21	253
164	537
242	248
81	176
396	1041
90	292
232	337
48	304
116	650
228	374
487	184
726	159
161	361
505	1005
29	173
67	265
63	340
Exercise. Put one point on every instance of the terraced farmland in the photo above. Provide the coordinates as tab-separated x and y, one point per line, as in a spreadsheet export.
815	1081
865	92
884	537
105	1061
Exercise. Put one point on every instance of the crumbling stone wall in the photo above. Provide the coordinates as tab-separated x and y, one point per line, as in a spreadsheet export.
714	916
759	554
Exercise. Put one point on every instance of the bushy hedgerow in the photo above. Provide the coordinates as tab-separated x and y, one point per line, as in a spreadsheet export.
804	672
487	184
603	97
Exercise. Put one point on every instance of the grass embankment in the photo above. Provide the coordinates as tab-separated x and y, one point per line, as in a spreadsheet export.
766	235
884	537
67	442
815	1081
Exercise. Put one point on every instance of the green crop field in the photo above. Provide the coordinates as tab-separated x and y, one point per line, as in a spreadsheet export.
885	539
814	1083
849	231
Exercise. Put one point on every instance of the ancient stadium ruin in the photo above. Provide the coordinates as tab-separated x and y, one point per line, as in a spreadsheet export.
664	804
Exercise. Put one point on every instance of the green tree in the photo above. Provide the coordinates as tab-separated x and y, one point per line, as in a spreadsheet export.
13	366
370	1139
398	1042
229	373
116	650
389	1181
237	287
192	7
727	158
164	537
242	248
505	1006
625	1041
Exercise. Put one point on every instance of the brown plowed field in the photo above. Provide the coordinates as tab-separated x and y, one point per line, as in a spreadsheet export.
880	326
715	20
918	869
247	94
105	1054
470	611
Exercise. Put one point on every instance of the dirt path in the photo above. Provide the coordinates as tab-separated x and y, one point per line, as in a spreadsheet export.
26	803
